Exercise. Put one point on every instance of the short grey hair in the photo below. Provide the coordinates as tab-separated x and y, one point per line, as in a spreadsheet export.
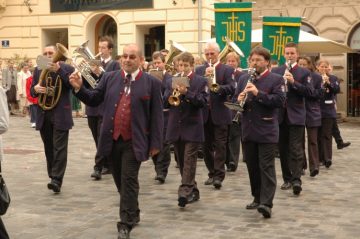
212	45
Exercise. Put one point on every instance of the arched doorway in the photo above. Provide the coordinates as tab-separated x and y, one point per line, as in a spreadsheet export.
101	25
354	73
106	26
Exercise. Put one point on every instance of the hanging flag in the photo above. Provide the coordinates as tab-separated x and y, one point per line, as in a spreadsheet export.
277	31
233	21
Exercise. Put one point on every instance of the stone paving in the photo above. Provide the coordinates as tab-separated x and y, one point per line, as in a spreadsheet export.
328	207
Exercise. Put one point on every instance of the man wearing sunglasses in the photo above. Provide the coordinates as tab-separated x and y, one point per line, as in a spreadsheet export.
217	117
132	126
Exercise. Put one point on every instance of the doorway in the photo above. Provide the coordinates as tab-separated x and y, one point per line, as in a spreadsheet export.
154	40
106	26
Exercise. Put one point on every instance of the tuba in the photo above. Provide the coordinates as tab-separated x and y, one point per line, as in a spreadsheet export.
175	49
229	47
51	97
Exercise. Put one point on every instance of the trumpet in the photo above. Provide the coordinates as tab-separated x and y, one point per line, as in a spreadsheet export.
174	99
214	87
288	69
252	76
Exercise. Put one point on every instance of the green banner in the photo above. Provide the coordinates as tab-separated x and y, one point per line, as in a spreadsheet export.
233	20
277	31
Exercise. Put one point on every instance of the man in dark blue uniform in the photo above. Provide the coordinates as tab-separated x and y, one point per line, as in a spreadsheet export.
54	122
292	118
94	114
132	128
217	117
260	128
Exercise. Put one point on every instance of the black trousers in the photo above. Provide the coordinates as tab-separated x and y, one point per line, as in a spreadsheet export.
215	149
313	148
260	162
325	136
3	232
186	153
55	145
336	133
125	171
162	160
94	123
233	145
291	139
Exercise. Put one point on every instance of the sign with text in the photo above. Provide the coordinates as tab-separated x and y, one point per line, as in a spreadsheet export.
277	31
94	5
233	21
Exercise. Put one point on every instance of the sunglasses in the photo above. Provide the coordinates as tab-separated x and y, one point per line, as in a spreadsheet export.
131	57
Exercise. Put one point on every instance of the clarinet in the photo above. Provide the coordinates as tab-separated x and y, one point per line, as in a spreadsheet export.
288	68
252	76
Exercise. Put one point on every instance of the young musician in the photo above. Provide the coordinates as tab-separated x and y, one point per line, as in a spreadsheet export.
132	127
331	87
292	118
260	128
185	127
163	159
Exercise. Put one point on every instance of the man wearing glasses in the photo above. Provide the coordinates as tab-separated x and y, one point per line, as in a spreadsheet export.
132	126
217	117
54	124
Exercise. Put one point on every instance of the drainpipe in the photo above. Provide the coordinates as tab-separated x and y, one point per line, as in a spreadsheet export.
199	26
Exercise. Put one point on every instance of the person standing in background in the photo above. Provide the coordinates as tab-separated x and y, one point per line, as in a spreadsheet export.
9	83
22	76
33	101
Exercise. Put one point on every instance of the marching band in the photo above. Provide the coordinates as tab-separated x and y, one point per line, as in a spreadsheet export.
134	115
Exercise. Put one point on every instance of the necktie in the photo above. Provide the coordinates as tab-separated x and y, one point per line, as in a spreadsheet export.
103	63
127	81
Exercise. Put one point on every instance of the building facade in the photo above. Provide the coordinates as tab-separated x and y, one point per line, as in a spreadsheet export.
26	26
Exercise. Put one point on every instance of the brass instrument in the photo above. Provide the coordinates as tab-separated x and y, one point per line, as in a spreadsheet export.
81	61
174	99
288	69
229	47
214	87
50	98
175	49
252	76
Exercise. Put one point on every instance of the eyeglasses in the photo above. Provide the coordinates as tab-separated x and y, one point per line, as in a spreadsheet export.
48	53
131	57
209	54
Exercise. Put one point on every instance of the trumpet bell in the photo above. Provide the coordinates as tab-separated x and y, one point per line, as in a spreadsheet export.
215	87
174	101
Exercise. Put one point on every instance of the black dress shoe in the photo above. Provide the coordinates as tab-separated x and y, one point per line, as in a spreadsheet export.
123	232
314	172
96	174
285	186
296	188
264	210
194	196
343	145
105	171
328	164
231	167
54	186
209	181
217	183
252	205
182	201
160	178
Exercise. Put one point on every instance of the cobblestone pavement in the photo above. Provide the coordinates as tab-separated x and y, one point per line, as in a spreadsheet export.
328	207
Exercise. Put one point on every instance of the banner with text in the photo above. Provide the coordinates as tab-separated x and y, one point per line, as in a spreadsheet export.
277	31
233	21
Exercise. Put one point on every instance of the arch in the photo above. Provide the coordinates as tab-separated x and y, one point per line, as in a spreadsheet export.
98	25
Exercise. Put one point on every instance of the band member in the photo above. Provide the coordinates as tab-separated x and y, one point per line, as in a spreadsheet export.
163	159
54	124
217	117
94	114
185	127
313	116
260	128
292	118
234	137
331	87
132	126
